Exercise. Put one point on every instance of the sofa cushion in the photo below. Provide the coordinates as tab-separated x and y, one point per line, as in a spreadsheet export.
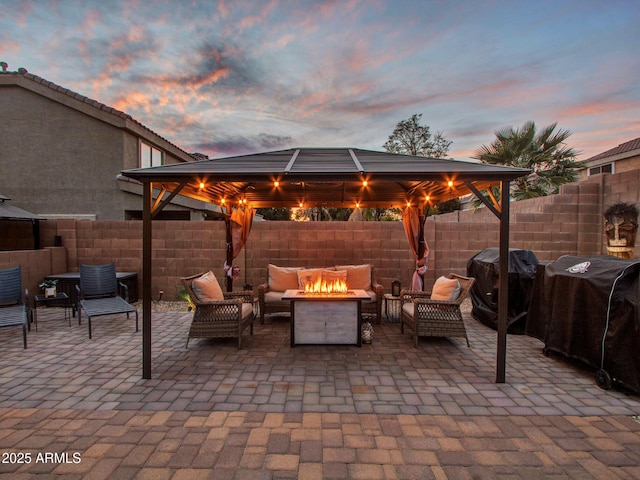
275	297
308	275
207	288
358	276
447	289
282	278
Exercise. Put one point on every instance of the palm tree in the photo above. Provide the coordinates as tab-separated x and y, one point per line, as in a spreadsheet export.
543	152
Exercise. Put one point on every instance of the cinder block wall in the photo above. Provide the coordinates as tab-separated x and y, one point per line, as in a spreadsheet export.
571	222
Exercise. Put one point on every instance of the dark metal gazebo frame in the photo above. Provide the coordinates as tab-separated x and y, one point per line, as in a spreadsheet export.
327	177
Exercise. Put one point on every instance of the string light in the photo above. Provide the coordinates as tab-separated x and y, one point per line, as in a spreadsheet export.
357	204
276	184
223	201
201	185
365	183
427	198
450	183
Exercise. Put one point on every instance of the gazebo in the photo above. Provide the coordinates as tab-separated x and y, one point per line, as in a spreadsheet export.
12	213
326	177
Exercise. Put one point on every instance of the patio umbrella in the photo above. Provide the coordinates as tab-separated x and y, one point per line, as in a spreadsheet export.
415	236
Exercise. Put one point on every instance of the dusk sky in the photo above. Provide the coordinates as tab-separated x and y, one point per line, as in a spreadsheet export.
233	77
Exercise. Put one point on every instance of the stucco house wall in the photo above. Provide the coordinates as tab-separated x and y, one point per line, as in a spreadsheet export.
62	152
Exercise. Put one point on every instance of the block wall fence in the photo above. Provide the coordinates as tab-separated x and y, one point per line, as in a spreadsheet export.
570	222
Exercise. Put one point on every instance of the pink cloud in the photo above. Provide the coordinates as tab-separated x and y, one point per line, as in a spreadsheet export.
597	108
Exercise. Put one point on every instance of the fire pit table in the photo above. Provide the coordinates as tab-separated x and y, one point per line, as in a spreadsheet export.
322	318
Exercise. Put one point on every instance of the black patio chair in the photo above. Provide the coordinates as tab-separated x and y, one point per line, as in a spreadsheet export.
98	293
13	312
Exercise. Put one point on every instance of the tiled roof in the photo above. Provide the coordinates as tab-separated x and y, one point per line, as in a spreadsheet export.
622	148
94	103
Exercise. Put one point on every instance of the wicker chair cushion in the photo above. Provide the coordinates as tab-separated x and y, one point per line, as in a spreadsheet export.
358	276
409	309
447	289
207	288
282	278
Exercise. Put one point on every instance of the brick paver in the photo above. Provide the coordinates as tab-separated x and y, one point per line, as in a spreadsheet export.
74	407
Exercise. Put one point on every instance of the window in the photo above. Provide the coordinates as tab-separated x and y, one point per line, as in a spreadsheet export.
607	168
149	156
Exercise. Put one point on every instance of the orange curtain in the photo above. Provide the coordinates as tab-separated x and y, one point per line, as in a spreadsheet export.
241	221
411	223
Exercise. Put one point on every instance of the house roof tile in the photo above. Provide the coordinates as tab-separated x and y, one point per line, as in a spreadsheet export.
622	148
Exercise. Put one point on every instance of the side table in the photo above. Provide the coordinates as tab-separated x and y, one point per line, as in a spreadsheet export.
60	300
392	307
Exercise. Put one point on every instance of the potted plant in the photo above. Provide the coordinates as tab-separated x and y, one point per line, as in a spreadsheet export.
49	287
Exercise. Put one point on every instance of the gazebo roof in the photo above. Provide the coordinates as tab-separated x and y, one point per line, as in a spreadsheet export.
331	177
11	212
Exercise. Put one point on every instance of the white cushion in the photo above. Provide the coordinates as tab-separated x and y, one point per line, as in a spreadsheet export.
282	278
447	289
207	288
408	308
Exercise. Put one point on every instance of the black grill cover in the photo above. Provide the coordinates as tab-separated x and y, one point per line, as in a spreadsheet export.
484	267
594	316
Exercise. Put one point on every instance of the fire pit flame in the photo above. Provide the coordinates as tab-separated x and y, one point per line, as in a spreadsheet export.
321	287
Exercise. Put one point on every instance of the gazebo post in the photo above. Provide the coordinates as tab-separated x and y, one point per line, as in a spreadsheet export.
147	187
503	284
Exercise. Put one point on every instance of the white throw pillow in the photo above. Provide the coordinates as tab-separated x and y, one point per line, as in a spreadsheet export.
207	288
445	289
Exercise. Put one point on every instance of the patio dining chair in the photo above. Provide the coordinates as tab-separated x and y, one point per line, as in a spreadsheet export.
13	312
228	316
100	294
436	313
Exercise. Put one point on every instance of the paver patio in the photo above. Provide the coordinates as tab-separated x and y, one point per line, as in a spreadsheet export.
386	410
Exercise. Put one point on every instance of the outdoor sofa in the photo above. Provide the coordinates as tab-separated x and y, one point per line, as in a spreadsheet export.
280	279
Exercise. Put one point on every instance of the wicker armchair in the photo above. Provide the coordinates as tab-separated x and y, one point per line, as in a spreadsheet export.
226	318
434	318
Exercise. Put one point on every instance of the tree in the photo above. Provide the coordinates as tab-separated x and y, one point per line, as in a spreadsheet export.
544	152
281	213
411	138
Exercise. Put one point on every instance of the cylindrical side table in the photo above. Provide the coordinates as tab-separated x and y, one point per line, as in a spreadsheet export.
392	307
